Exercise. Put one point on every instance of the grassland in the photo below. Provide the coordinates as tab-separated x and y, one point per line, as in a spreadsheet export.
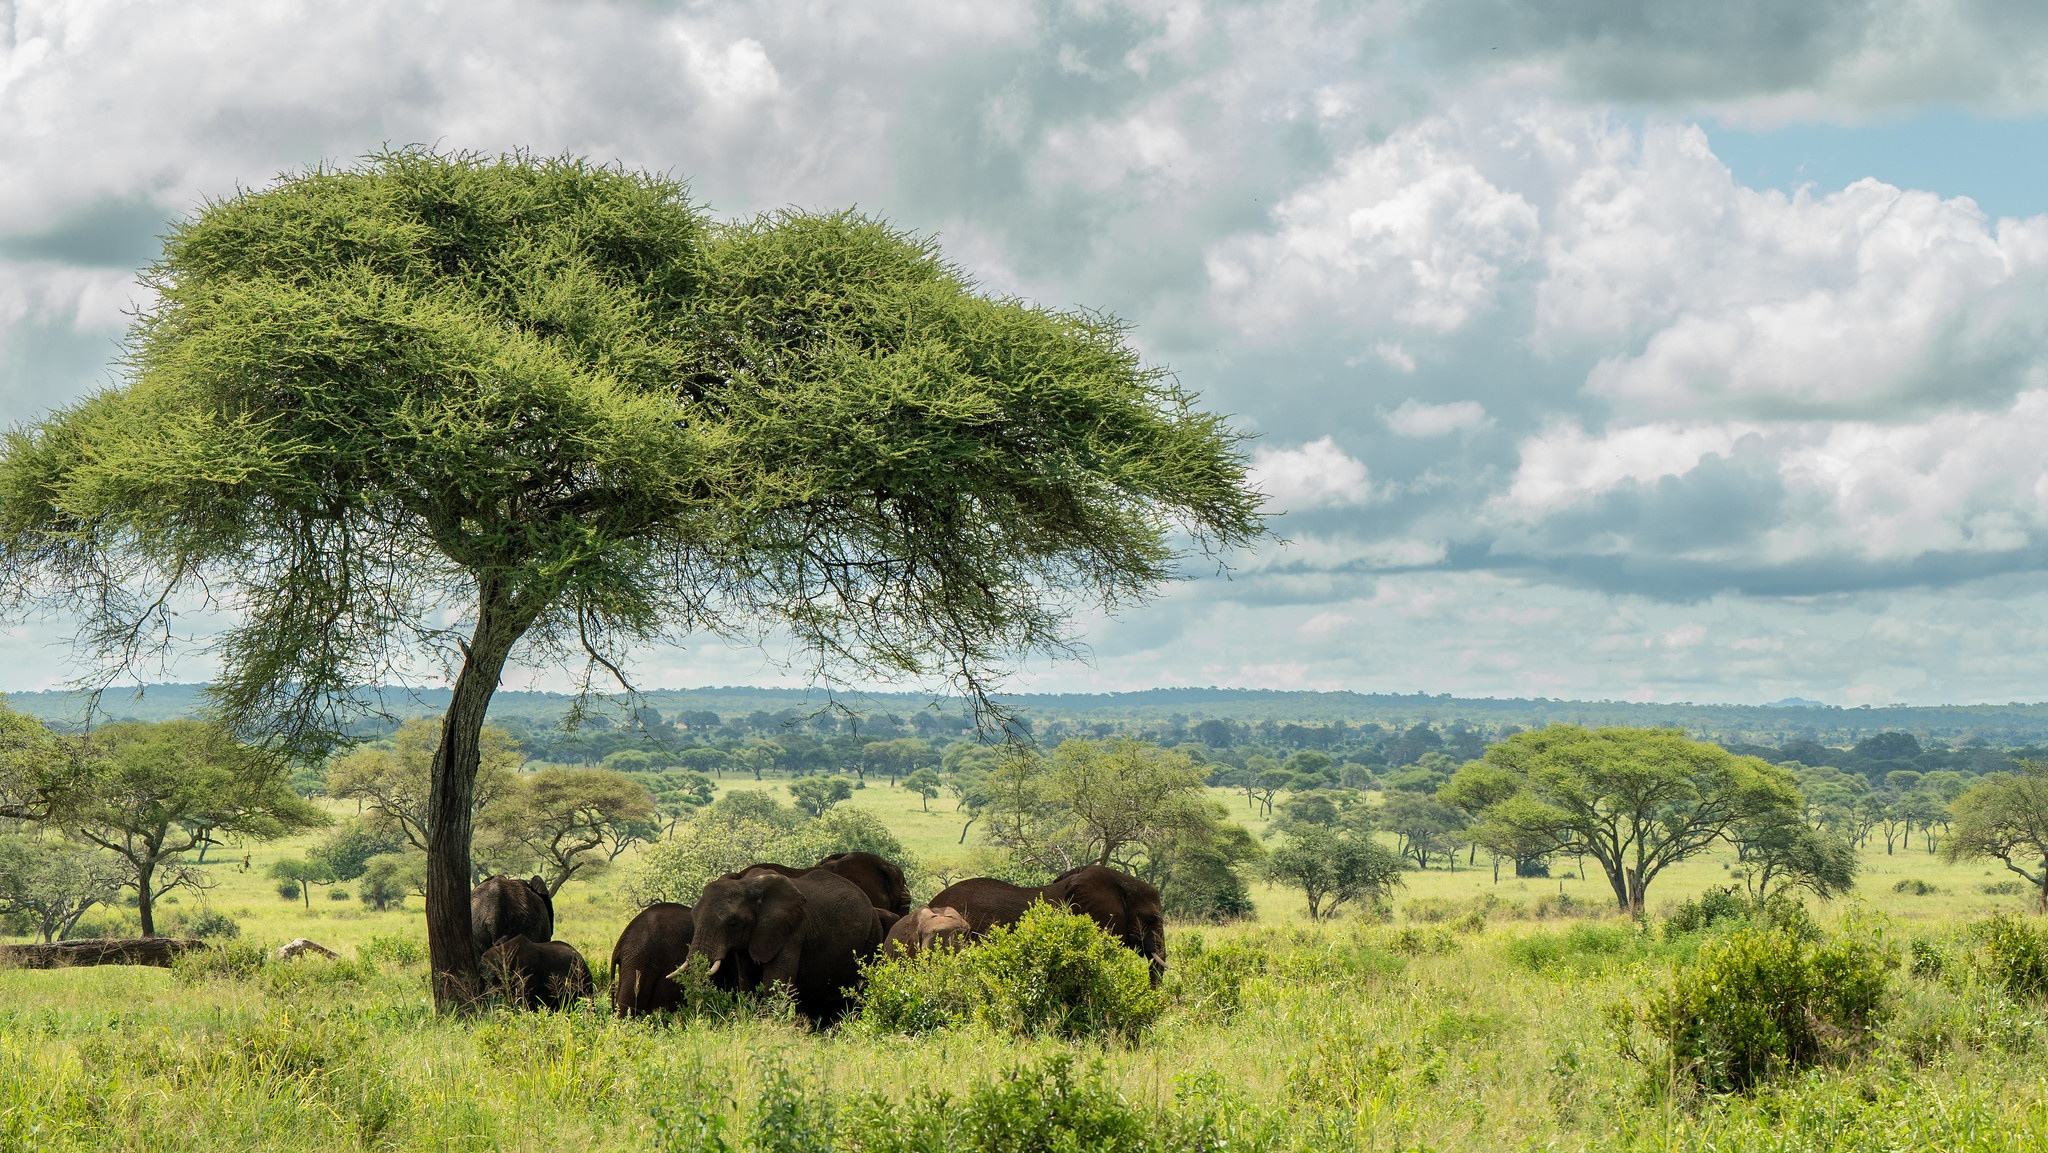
1419	1034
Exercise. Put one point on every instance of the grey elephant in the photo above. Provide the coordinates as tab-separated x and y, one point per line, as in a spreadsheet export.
535	973
808	933
501	907
653	945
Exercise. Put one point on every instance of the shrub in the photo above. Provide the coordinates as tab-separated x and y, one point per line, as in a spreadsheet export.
1704	911
1928	958
1430	910
1583	948
1915	887
1763	1001
1556	906
2015	955
392	949
1208	983
1042	1107
235	961
2004	889
1052	973
211	925
337	894
289	890
1414	942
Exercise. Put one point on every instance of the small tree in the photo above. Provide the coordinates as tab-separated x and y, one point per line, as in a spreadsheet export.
347	850
2004	817
37	767
1779	850
301	874
389	877
569	819
1123	794
153	787
1333	869
395	779
815	796
51	885
925	783
1635	800
1424	828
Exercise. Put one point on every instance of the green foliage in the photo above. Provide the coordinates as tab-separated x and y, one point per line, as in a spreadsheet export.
2004	817
1053	973
207	925
389	878
1583	949
1716	905
236	960
1334	868
47	886
1760	1002
1634	800
925	783
815	796
288	890
1030	1107
1914	886
2015	955
391	949
347	850
1198	878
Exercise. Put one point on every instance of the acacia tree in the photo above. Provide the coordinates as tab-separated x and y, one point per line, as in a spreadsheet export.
155	791
2005	817
556	404
395	780
569	820
1635	800
37	766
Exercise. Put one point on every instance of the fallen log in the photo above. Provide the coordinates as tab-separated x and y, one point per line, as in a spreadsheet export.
300	945
159	951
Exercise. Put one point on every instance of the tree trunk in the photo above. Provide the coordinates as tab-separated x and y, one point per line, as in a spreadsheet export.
450	949
145	911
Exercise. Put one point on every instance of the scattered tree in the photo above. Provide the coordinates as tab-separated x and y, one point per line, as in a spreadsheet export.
1334	868
1779	850
37	767
562	818
301	874
389	877
815	796
1635	800
395	779
551	402
152	787
49	885
2004	817
925	783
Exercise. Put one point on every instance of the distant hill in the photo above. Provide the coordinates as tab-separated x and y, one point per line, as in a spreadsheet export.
1793	718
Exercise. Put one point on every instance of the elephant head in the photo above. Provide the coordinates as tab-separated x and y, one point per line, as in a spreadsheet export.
1128	908
750	928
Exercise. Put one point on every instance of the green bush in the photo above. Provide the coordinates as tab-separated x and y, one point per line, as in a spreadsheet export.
392	949
234	961
2004	889
1582	949
289	890
2015	955
1915	887
337	894
210	925
1208	983
1763	1001
1719	905
1052	973
1043	1107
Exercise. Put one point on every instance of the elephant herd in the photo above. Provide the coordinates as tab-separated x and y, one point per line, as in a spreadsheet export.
806	930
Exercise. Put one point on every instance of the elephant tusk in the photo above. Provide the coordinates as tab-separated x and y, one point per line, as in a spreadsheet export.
714	967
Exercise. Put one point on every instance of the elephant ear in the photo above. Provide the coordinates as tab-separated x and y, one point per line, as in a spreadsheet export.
1104	904
781	915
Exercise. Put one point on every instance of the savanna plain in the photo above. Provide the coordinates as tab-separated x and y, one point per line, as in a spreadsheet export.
1481	1013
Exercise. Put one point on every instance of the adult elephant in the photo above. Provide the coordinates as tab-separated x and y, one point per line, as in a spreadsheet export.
502	907
535	973
875	876
1127	908
654	944
809	933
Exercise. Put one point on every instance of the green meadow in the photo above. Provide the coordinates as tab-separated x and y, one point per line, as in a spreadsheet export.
1484	1015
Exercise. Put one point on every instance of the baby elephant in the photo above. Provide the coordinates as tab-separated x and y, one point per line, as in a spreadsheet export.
536	973
922	928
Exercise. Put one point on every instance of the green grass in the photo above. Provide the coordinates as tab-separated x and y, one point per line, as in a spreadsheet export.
1411	1035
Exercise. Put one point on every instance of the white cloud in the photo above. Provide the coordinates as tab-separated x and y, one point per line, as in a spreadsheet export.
1564	465
1415	419
1405	233
1317	473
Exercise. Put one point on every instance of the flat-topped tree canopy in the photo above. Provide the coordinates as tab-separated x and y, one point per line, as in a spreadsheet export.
559	403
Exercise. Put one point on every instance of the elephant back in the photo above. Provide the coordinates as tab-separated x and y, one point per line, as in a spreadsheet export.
874	875
986	902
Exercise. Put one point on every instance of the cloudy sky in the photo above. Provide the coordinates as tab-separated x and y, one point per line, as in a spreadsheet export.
1643	349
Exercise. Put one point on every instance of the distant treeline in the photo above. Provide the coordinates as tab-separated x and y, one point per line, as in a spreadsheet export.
815	731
